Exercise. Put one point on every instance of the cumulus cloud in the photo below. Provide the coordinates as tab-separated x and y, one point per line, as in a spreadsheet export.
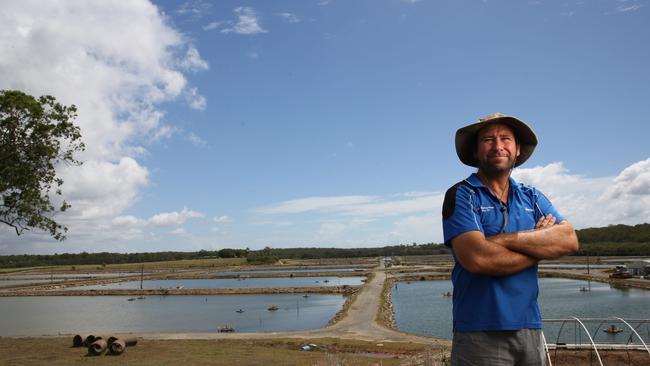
595	201
174	218
99	189
117	62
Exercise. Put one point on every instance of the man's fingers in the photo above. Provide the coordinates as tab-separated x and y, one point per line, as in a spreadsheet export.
544	221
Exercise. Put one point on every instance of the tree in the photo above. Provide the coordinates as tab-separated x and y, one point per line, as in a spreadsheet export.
36	135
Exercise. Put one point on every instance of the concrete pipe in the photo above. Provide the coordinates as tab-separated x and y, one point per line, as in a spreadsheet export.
130	341
117	347
79	340
97	348
90	338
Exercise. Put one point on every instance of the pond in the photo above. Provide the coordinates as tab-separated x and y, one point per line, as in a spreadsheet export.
51	315
421	308
282	282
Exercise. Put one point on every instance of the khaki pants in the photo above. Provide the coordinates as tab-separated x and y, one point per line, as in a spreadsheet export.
498	348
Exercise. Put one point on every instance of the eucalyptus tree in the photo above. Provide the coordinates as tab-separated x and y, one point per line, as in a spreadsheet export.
36	136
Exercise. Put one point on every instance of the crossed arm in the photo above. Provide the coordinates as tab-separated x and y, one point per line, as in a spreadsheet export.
509	253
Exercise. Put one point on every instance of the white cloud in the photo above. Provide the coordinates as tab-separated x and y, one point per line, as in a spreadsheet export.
593	202
411	1
193	8
178	231
195	100
195	140
213	25
289	17
117	62
99	189
174	218
416	216
247	22
163	133
127	221
315	204
624	8
221	219
193	61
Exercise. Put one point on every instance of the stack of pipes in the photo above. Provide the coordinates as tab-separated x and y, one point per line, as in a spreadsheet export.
98	344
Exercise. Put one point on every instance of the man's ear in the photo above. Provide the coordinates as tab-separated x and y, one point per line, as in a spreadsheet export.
518	151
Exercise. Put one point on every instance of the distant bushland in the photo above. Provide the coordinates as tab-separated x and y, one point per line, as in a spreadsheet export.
613	240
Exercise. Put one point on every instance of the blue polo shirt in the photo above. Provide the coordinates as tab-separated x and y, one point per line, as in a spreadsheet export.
483	302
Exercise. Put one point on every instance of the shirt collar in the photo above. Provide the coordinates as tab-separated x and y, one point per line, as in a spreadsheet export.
474	181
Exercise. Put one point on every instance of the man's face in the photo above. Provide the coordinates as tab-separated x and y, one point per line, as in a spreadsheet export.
496	148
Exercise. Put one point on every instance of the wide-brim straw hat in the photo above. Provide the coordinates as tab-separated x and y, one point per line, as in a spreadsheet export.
466	138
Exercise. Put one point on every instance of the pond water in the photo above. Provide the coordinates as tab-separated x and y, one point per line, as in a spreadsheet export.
421	308
51	315
230	283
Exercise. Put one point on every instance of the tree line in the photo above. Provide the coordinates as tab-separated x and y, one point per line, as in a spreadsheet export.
613	240
266	255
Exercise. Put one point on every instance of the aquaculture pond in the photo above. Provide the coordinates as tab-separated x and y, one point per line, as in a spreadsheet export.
421	307
282	282
51	315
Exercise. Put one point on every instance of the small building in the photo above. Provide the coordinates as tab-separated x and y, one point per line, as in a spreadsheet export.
639	268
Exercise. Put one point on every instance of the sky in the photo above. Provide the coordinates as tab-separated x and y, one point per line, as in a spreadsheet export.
325	123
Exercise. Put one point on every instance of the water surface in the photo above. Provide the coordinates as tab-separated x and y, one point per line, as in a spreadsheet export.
421	308
51	315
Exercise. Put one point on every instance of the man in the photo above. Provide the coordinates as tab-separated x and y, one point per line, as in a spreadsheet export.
498	230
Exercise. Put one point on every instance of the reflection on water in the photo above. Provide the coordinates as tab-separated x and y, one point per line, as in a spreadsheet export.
86	314
231	283
421	308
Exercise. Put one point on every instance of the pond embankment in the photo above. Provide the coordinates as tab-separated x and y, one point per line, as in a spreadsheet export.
346	290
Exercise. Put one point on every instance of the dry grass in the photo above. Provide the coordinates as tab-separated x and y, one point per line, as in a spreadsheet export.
58	351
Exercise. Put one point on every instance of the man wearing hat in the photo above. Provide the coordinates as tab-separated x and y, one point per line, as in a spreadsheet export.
498	230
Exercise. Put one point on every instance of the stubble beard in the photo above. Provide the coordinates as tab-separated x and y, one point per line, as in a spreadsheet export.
495	170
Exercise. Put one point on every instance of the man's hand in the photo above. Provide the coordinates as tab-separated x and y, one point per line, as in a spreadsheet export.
545	221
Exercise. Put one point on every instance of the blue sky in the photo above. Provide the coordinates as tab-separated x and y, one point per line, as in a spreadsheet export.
326	123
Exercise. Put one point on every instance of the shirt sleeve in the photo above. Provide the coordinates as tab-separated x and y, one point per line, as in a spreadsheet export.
458	213
545	207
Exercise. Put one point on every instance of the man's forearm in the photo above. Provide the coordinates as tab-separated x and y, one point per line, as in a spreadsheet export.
503	262
547	243
478	255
